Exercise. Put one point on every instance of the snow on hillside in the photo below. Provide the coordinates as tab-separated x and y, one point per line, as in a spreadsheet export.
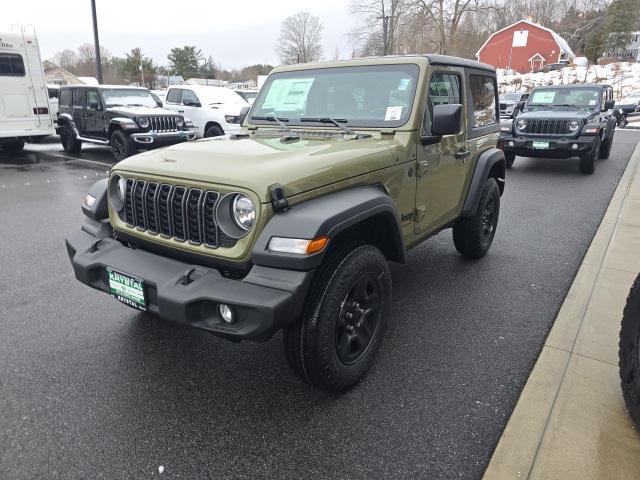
623	76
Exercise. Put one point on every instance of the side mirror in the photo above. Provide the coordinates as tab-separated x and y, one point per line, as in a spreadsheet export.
520	105
609	104
446	121
159	104
243	114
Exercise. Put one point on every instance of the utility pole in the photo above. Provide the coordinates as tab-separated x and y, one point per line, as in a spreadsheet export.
96	42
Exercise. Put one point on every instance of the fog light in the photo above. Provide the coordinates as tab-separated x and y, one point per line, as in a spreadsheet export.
512	143
226	313
574	146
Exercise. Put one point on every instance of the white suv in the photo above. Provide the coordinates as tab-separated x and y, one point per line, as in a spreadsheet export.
214	111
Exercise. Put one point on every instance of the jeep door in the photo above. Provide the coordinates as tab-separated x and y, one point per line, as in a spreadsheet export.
442	168
77	110
94	115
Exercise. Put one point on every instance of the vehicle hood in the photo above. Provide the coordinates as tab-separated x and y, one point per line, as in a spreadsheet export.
258	162
557	115
139	111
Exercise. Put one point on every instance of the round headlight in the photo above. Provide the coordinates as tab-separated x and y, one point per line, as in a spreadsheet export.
521	125
143	122
244	211
574	125
180	121
117	192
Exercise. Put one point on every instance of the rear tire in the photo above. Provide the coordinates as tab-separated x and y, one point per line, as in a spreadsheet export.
68	139
509	158
629	353
605	149
213	131
473	236
121	145
589	161
14	146
334	344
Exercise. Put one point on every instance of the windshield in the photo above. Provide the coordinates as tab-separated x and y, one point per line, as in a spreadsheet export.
511	96
366	96
565	97
128	97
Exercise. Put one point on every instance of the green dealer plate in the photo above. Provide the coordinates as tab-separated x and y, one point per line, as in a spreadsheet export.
129	290
540	145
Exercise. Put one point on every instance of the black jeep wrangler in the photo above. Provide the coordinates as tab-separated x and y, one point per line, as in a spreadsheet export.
562	122
126	118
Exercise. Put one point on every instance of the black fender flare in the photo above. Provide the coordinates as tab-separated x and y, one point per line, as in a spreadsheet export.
328	215
67	119
487	160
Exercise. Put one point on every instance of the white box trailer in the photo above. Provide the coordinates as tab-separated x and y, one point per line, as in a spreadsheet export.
24	99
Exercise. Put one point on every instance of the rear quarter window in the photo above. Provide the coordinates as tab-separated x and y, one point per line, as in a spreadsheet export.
65	97
11	65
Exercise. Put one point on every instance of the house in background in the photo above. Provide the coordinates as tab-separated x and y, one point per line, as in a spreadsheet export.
56	75
525	47
631	53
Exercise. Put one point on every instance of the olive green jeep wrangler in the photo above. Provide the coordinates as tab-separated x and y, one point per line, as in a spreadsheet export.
341	168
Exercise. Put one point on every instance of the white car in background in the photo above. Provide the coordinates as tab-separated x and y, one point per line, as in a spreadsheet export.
214	111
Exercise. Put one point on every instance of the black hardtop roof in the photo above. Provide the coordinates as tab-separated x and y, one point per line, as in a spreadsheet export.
435	59
119	87
575	85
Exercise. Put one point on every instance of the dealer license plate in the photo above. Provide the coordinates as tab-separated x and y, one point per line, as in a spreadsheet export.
129	290
540	145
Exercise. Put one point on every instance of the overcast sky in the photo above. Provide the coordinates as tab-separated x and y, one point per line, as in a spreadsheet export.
235	32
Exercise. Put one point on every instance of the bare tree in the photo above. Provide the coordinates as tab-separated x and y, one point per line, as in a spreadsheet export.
379	30
299	40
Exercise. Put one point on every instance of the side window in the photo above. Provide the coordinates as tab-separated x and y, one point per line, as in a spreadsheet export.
174	96
93	99
65	97
79	95
11	65
483	95
444	89
53	92
189	97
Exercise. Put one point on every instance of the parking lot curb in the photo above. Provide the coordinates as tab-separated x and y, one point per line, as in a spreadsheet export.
570	420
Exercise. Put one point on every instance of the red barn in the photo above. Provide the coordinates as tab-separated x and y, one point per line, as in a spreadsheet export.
524	47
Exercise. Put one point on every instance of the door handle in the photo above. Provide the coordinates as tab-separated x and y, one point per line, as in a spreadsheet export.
462	154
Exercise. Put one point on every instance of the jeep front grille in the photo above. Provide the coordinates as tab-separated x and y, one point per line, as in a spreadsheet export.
548	127
163	124
173	211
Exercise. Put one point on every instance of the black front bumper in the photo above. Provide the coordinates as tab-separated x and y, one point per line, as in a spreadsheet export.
559	147
264	301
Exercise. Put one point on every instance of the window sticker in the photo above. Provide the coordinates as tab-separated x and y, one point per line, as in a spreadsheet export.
404	84
393	113
288	94
543	97
592	102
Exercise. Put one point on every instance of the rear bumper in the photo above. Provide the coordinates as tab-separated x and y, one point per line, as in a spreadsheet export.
150	138
559	147
264	301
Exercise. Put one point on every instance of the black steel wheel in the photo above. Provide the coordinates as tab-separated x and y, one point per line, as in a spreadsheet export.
213	131
333	345
589	161
473	236
629	353
510	159
68	139
121	145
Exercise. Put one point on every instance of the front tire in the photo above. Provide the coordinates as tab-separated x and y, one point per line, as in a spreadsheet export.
334	344
589	161
69	141
629	353
213	131
121	145
605	149
473	236
509	158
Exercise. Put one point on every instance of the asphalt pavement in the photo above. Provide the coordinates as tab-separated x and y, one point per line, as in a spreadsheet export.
89	388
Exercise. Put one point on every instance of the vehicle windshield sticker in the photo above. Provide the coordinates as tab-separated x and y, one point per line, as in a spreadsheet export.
544	97
404	84
287	94
592	102
393	113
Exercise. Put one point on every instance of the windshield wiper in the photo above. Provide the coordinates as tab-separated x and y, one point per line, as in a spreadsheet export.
272	118
337	122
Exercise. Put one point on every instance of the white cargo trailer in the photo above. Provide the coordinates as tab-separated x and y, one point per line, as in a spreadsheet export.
24	99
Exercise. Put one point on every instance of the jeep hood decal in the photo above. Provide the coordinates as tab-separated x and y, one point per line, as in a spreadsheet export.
258	163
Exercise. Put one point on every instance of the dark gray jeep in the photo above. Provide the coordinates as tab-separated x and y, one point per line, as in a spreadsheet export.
562	122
